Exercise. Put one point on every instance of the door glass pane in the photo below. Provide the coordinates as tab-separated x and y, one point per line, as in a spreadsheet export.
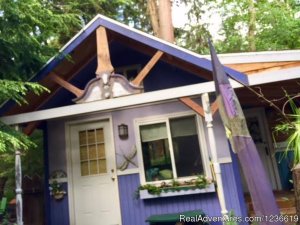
186	146
83	153
82	137
102	165
92	152
84	168
156	153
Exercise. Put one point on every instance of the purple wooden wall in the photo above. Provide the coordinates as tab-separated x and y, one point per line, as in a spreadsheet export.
135	211
59	211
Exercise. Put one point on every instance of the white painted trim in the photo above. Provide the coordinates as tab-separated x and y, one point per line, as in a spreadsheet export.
145	98
128	171
106	118
224	160
165	118
258	57
274	76
58	180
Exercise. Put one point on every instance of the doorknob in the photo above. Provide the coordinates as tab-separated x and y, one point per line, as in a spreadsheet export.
113	179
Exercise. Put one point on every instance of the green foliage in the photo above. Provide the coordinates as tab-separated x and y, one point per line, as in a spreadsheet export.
10	139
292	129
276	26
30	30
231	219
16	90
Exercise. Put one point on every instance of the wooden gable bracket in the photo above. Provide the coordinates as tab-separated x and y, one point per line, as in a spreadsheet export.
145	71
103	55
70	87
28	130
198	108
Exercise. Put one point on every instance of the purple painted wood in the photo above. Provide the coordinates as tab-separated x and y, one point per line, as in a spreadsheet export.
60	209
135	211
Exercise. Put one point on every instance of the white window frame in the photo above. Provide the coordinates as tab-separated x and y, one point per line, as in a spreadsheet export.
165	119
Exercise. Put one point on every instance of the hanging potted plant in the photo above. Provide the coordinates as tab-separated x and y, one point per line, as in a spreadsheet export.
57	191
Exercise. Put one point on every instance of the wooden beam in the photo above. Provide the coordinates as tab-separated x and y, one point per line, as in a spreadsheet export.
70	87
28	130
252	68
214	107
104	63
193	105
145	71
198	108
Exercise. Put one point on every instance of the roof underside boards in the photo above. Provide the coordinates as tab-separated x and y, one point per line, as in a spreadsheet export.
80	54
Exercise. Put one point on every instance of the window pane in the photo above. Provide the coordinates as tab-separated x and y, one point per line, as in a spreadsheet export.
156	153
92	152
186	146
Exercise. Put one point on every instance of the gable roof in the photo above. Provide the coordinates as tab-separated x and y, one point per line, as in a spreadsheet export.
138	36
83	54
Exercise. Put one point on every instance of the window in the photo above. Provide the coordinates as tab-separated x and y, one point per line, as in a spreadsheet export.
92	152
170	148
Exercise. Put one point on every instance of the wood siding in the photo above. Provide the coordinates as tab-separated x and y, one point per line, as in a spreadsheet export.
136	211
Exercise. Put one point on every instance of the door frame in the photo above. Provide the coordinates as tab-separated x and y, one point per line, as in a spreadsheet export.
260	113
68	126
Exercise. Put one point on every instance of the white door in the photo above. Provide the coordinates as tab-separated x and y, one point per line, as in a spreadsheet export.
95	190
259	131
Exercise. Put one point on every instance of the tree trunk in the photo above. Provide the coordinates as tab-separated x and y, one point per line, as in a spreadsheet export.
296	180
2	186
252	27
165	20
152	8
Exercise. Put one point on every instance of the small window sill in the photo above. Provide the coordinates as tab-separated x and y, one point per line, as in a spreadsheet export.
144	194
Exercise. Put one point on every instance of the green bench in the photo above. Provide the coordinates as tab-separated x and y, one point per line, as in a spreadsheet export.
3	205
177	218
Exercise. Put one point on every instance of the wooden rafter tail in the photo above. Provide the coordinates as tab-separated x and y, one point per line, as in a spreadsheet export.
103	55
193	105
145	71
70	87
214	107
28	130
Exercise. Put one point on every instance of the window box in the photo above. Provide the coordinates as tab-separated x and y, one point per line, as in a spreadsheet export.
171	191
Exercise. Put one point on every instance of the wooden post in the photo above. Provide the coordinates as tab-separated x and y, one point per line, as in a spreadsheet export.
18	176
213	150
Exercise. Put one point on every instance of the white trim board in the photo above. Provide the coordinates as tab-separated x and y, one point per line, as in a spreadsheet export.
145	98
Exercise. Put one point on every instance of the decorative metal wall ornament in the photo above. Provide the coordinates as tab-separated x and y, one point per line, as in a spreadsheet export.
127	159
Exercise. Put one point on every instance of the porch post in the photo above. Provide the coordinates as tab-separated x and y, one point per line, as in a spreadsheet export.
18	176
213	149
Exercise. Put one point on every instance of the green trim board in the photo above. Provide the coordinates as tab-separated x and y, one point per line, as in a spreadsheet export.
174	217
